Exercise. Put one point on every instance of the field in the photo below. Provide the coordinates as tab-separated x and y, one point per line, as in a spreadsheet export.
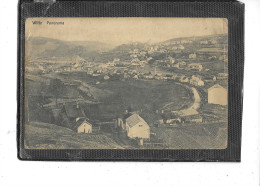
195	137
40	135
143	96
110	99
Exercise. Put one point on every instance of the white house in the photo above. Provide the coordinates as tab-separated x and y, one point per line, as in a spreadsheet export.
84	127
81	125
217	95
135	127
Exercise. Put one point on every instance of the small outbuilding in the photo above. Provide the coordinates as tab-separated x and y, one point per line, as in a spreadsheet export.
82	125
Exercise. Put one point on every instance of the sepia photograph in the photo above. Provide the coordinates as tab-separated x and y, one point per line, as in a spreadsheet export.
129	92
126	83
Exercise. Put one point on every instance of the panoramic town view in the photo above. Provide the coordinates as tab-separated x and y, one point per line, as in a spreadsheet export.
167	93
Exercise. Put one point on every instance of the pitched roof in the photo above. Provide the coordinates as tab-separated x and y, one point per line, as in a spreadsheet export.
134	120
76	124
216	86
73	111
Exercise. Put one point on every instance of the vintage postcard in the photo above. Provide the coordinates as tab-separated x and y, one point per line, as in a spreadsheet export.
126	83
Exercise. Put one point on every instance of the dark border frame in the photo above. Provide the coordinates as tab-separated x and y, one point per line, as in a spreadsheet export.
232	10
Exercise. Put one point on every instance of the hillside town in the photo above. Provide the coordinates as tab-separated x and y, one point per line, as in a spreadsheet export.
117	93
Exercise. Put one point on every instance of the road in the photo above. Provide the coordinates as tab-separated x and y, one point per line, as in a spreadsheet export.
192	110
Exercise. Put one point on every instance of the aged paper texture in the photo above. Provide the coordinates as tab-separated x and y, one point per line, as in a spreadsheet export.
126	83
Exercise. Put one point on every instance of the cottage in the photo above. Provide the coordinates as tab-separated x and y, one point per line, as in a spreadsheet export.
135	126
72	116
217	95
82	125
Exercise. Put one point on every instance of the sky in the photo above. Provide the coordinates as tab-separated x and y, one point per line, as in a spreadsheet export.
124	30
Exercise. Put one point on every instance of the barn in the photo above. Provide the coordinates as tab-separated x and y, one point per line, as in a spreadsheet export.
72	116
217	95
134	125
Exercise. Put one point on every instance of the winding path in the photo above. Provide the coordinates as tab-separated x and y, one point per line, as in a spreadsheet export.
192	110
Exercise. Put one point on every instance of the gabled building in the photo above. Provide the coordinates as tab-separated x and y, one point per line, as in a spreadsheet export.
217	95
72	116
135	126
82	125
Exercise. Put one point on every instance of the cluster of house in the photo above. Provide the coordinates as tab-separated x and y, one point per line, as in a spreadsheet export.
199	80
217	95
73	117
159	48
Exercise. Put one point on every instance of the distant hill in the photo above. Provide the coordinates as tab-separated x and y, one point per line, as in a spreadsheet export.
216	36
126	47
39	47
